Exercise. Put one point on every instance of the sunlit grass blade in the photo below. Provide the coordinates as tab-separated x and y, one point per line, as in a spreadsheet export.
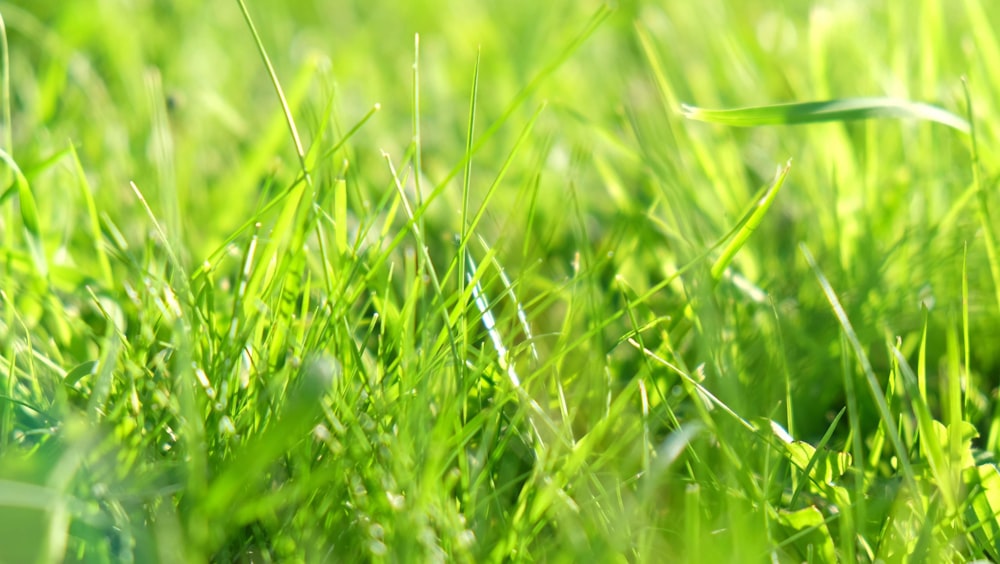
285	107
844	109
29	216
756	217
172	253
989	239
522	317
504	360
465	227
8	135
95	223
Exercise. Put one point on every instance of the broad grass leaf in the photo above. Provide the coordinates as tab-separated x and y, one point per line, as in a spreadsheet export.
809	528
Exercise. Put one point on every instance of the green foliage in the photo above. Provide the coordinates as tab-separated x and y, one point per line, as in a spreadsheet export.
310	281
846	109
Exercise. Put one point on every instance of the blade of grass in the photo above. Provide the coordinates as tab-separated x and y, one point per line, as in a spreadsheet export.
737	238
29	217
95	222
843	109
172	254
425	265
930	441
464	225
741	237
8	130
967	358
290	120
866	367
469	225
989	239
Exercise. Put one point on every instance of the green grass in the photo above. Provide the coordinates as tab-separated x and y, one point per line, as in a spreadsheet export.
285	281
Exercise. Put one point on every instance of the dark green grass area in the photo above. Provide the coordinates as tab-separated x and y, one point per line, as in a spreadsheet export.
481	282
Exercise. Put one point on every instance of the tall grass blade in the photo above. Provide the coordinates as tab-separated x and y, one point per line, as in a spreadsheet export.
465	227
931	449
989	238
504	360
8	129
29	217
289	119
866	367
95	223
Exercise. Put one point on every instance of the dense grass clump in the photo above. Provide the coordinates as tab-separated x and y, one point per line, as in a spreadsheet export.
534	281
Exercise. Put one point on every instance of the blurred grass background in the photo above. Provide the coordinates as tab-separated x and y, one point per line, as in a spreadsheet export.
610	194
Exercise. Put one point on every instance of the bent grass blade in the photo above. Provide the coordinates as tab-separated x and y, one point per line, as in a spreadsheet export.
844	109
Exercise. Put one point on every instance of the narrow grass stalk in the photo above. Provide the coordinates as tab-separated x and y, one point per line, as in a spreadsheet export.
866	368
989	238
86	194
29	217
289	119
8	128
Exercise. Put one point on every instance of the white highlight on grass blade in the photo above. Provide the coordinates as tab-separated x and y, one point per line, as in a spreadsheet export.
522	317
489	323
781	433
843	109
675	443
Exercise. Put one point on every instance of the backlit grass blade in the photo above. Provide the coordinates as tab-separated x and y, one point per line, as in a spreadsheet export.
8	130
29	216
285	107
86	194
741	237
878	396
983	209
844	109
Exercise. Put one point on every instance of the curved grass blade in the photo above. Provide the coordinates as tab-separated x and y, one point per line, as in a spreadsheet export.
29	216
756	217
285	107
844	109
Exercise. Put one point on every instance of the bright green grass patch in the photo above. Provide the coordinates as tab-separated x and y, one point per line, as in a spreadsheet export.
306	281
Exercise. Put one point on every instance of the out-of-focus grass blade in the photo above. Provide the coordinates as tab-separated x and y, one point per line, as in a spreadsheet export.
29	215
740	239
844	109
